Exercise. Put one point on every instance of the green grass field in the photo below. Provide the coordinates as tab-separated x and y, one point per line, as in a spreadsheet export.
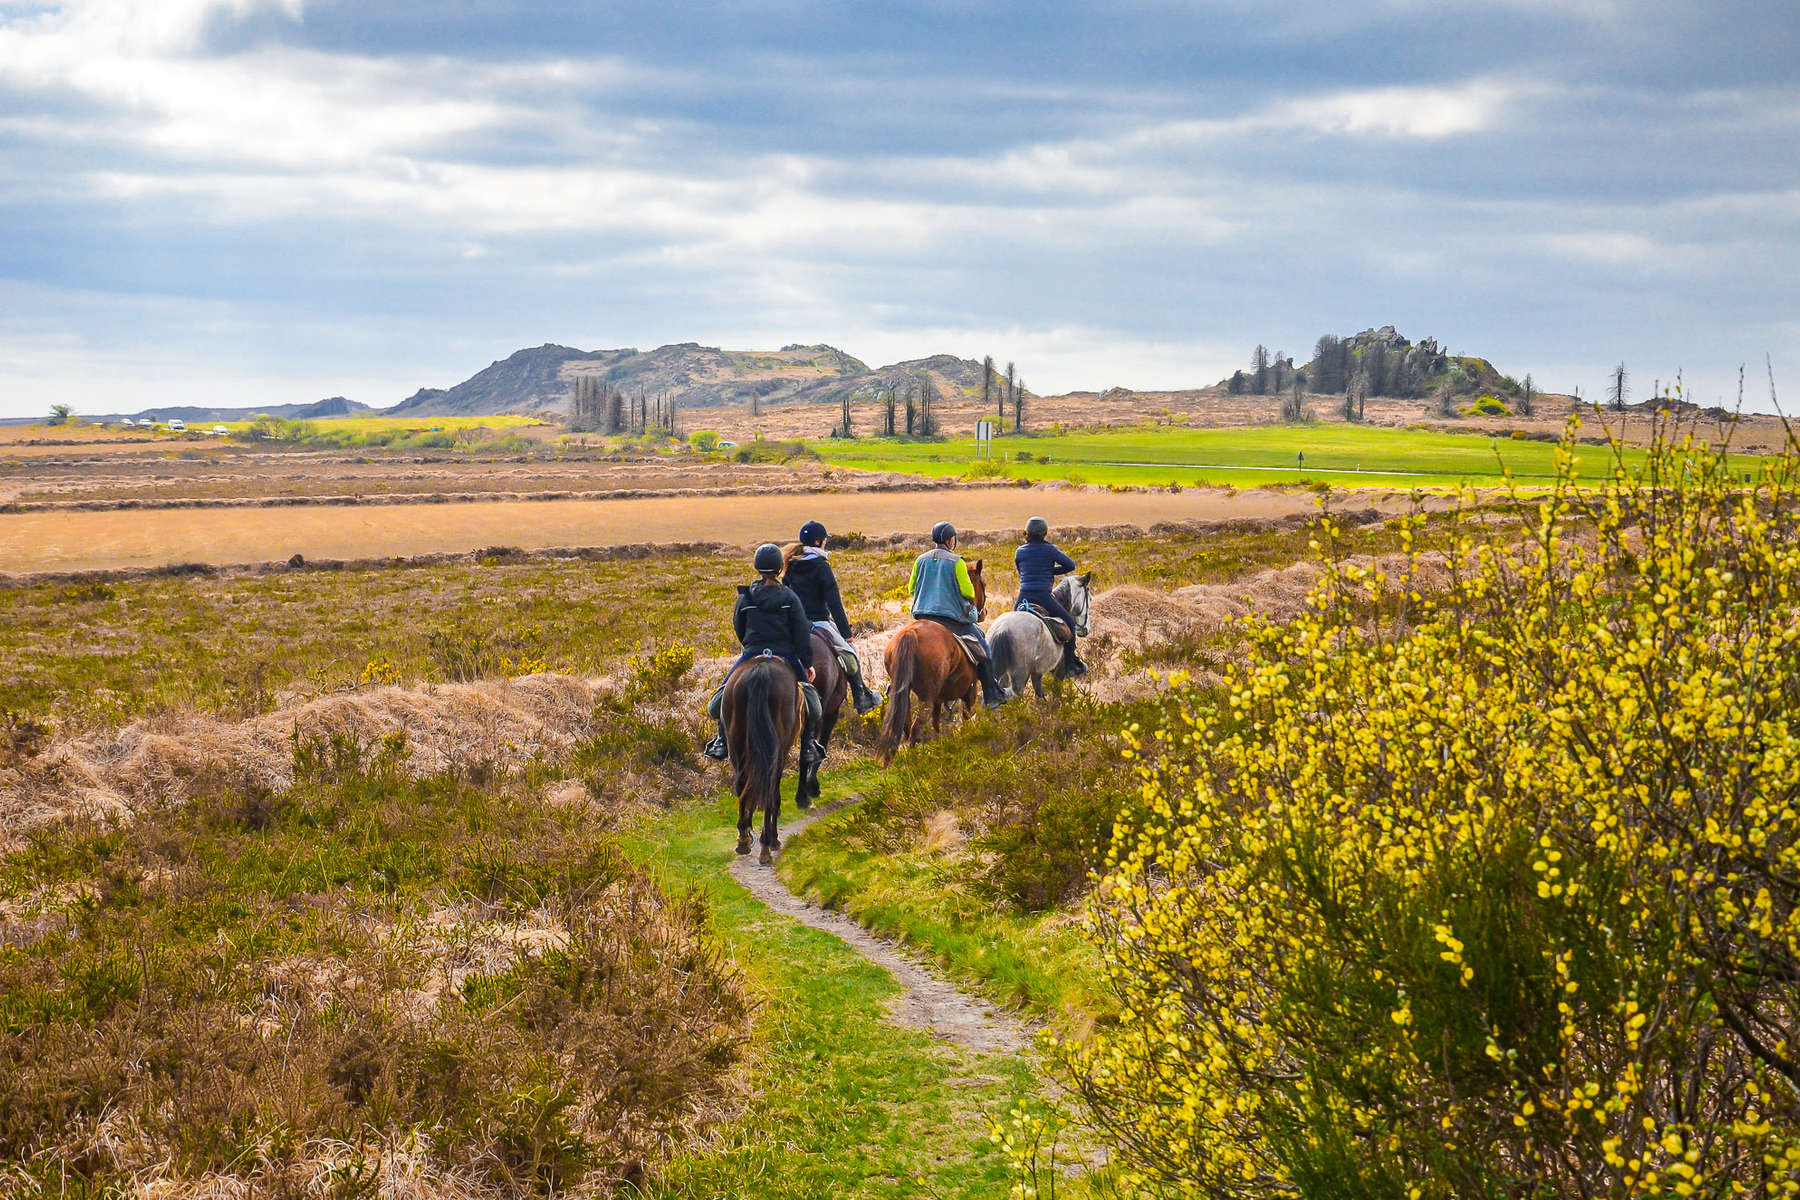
1253	456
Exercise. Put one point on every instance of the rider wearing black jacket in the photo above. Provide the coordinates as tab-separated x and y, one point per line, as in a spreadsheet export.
770	619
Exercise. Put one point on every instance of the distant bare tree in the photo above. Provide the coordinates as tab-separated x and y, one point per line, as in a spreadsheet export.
1018	406
1236	386
1619	390
887	423
1527	396
1259	367
843	429
1292	407
928	397
912	412
755	401
1355	392
987	385
59	414
1445	399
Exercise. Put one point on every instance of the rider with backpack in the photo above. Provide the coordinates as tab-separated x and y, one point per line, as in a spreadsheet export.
810	577
943	591
1039	564
770	619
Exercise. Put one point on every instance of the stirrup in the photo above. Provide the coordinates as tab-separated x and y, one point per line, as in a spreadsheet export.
811	753
868	700
715	748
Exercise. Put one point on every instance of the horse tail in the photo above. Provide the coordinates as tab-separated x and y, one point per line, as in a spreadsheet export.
762	773
899	700
1006	657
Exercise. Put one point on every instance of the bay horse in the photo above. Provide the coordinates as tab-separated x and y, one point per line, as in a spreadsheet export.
924	660
833	686
1025	650
761	707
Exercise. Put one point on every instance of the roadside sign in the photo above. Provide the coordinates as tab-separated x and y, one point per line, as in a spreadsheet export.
984	438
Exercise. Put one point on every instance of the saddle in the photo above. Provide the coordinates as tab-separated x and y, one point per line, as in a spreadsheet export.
971	647
1058	630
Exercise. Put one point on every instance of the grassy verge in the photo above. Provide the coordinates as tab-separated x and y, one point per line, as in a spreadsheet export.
1348	456
846	1103
929	899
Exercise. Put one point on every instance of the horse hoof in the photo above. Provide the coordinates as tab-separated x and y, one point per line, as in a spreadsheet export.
765	858
803	801
743	846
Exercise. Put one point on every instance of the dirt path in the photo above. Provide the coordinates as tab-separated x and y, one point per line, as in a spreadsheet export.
925	1001
86	541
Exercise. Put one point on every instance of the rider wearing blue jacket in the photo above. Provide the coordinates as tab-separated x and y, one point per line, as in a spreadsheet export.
1039	564
943	592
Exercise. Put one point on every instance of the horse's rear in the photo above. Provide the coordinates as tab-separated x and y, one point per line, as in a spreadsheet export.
923	660
1024	651
762	715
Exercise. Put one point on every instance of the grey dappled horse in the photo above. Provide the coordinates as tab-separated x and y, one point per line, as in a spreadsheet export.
1023	647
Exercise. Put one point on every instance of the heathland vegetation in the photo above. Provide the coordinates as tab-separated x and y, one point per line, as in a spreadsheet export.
1471	875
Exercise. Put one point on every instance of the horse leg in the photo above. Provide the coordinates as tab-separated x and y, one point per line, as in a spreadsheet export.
746	815
825	731
771	840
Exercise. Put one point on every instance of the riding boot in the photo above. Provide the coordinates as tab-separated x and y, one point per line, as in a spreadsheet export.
715	746
991	694
867	698
811	752
1071	667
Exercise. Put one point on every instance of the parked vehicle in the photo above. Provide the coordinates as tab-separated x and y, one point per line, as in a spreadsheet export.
177	426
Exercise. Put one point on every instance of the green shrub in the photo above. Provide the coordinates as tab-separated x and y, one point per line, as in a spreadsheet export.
1499	896
706	440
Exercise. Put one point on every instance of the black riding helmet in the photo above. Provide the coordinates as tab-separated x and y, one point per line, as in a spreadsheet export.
942	532
767	558
812	534
1037	529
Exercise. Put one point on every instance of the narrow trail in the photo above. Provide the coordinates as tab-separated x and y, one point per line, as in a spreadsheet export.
926	1001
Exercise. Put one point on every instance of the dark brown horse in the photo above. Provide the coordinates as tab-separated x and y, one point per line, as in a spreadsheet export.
924	660
832	685
762	717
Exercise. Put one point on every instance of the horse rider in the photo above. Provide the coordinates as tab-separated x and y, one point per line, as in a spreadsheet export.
1039	564
769	619
943	592
810	577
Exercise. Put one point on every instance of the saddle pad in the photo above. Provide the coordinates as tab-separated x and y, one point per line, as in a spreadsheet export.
1057	629
971	649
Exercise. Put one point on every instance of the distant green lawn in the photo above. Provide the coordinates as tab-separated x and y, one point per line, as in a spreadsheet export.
1254	456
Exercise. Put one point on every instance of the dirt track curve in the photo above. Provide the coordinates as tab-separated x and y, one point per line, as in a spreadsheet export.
925	1001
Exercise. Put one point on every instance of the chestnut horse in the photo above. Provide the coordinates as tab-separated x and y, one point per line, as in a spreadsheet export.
832	685
924	660
762	717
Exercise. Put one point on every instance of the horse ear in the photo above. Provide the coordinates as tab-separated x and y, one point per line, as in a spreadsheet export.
1087	577
975	567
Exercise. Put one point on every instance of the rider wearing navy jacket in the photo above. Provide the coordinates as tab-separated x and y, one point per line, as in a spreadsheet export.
1039	564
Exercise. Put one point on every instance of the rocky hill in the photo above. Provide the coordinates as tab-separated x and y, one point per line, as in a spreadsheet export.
539	380
334	406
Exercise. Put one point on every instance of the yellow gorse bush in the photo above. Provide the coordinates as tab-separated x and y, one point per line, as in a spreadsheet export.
1486	888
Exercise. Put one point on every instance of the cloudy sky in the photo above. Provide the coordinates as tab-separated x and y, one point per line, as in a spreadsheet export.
264	201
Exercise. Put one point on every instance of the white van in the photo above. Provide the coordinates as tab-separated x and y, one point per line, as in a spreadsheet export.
177	425
220	431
